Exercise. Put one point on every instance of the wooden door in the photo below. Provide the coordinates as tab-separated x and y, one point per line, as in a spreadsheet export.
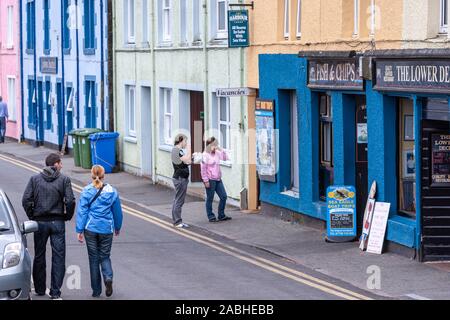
197	130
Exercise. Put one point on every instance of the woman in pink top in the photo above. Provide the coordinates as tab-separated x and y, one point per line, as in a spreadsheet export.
212	178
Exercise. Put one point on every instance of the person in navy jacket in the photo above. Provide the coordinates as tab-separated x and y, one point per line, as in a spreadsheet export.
99	217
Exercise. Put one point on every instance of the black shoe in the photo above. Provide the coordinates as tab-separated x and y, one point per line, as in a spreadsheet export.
109	288
95	296
213	220
225	218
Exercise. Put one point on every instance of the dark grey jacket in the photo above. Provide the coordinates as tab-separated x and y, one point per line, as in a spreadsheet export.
47	195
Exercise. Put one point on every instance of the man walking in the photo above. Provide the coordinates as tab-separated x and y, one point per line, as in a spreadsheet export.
49	200
3	119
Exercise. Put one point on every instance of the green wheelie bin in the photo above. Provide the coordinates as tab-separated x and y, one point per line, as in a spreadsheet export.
76	146
85	146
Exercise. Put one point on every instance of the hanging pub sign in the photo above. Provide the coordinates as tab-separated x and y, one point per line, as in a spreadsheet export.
341	213
265	140
335	74
418	75
440	162
238	35
49	65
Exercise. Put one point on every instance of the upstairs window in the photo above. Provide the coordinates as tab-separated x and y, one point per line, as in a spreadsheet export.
443	26
67	24
89	26
145	24
197	33
10	31
129	21
286	19
299	18
31	20
166	21
46	26
355	18
183	21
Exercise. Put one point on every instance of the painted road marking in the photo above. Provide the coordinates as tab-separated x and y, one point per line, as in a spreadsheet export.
274	267
416	296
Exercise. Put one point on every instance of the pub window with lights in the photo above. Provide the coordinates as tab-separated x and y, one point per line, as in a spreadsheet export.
325	145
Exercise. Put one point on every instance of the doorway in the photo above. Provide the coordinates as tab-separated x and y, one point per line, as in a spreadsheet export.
146	131
361	161
197	125
40	104
435	180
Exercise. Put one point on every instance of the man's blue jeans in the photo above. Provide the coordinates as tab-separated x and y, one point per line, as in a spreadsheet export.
56	231
216	187
99	251
2	129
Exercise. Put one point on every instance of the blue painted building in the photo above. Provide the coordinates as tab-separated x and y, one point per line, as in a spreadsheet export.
344	119
64	67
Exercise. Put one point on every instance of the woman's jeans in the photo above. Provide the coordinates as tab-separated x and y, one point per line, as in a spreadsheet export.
216	186
99	250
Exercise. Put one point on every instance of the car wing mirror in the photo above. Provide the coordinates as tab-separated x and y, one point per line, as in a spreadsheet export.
30	227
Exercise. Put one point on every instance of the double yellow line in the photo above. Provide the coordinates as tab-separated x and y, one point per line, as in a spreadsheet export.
268	265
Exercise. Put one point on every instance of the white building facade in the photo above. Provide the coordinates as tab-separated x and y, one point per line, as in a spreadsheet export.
64	61
170	57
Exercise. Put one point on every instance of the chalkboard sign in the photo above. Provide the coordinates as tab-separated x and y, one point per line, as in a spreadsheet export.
440	160
341	213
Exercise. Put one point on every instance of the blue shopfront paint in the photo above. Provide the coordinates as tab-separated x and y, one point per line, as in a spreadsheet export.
281	73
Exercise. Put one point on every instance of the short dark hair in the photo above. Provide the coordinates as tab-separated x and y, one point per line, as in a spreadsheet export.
52	159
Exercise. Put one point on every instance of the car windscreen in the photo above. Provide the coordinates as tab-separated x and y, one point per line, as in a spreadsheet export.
5	221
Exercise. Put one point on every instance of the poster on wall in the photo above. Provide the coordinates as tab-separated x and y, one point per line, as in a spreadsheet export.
265	140
409	164
341	213
440	160
362	136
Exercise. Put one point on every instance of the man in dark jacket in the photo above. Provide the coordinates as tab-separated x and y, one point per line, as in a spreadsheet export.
49	200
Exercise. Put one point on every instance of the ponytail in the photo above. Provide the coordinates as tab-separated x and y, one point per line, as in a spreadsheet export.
97	174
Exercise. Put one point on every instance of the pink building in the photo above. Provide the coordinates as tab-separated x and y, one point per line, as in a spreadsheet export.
10	88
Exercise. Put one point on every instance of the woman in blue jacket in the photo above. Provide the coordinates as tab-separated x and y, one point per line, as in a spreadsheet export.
99	216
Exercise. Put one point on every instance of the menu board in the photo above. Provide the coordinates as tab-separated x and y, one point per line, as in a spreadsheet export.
378	227
440	163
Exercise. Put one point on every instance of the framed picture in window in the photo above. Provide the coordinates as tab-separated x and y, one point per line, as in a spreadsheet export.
408	128
409	164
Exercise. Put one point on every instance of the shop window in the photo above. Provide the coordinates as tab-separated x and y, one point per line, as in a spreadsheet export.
325	145
406	159
443	25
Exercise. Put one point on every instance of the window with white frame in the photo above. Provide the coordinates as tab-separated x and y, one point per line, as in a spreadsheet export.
166	20
183	21
10	30
355	17
130	111
222	19
372	18
224	122
286	18
166	115
299	18
197	33
145	20
443	25
12	98
130	21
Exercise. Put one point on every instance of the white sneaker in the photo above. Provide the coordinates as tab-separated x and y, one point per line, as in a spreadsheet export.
182	225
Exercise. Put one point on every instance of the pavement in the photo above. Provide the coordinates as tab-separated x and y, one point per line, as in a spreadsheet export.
297	245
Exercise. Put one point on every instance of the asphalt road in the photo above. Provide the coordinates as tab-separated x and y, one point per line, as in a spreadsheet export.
153	262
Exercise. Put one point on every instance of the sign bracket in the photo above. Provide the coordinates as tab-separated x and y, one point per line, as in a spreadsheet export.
242	4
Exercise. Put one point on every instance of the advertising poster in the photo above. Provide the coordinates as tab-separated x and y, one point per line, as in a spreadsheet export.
265	140
341	211
440	159
378	227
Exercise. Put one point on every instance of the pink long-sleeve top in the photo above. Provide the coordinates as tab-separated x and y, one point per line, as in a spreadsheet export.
210	166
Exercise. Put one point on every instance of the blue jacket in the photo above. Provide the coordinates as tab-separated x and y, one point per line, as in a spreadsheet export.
105	214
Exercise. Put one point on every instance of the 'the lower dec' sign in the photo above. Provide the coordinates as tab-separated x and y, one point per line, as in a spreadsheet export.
341	211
